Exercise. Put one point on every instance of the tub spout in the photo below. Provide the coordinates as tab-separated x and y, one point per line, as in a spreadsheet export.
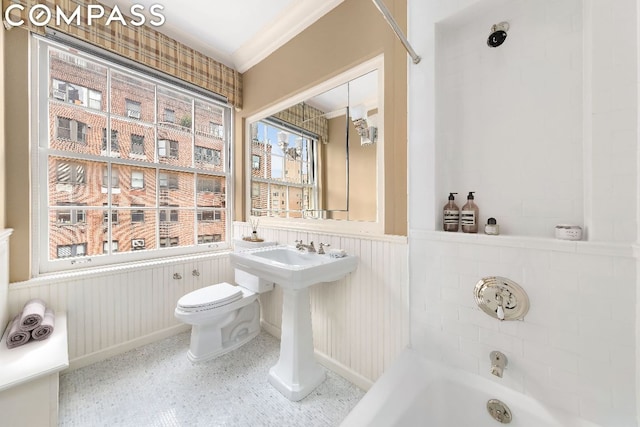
498	363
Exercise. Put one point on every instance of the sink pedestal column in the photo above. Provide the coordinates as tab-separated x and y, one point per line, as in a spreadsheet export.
297	373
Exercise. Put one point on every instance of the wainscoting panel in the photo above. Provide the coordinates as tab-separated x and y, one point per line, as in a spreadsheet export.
360	323
109	311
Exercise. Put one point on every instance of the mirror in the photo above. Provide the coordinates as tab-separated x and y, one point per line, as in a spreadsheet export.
318	158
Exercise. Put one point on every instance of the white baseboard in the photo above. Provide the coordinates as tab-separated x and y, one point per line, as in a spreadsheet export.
327	362
97	356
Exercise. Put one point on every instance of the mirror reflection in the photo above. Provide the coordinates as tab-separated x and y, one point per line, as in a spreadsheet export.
317	159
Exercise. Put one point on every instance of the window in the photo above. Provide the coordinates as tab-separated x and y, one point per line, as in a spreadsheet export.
114	140
71	130
169	115
70	216
209	216
216	129
137	215
209	185
76	249
168	181
207	155
114	246
255	162
133	108
114	215
169	215
137	144
137	179
115	180
70	173
166	242
168	148
77	176
209	238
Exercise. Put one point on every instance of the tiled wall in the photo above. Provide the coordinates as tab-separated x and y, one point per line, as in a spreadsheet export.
575	347
550	115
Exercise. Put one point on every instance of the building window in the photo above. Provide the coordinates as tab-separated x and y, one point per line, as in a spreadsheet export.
168	148
70	173
209	238
71	130
137	144
209	216
133	108
255	162
207	155
137	215
166	242
114	140
137	179
169	215
216	130
70	216
114	215
115	180
169	115
73	250
114	246
209	185
76	135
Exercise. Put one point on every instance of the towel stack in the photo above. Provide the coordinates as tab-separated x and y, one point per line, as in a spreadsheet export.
36	322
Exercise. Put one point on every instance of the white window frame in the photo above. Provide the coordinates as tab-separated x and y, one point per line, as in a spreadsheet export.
41	153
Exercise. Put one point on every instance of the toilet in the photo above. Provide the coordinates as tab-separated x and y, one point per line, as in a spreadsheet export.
223	316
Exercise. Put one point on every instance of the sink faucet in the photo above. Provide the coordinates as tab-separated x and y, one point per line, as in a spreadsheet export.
498	363
309	248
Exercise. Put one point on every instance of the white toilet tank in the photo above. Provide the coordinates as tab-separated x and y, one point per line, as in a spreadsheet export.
247	280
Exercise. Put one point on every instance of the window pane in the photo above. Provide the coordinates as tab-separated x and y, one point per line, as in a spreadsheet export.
137	186
176	188
136	229
211	225
175	124
76	81
74	181
72	240
295	202
180	232
132	98
136	139
211	191
209	150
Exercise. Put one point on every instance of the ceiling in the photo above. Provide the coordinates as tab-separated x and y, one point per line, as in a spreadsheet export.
238	33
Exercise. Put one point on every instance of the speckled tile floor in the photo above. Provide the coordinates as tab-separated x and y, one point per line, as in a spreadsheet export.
156	385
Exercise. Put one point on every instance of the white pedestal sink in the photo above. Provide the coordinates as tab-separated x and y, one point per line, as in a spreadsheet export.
297	373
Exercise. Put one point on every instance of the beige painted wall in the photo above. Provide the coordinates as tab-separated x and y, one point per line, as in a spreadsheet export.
353	32
16	171
3	192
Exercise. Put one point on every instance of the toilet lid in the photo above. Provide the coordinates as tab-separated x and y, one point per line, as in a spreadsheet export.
211	296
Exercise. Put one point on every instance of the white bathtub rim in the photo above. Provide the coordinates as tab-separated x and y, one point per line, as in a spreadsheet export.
391	395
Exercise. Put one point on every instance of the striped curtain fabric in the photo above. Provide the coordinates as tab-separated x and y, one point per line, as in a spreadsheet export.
308	118
142	44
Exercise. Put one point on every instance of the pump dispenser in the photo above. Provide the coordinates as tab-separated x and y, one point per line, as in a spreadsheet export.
469	215
451	215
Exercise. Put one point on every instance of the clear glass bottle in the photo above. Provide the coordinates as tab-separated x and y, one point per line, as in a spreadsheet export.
469	215
451	215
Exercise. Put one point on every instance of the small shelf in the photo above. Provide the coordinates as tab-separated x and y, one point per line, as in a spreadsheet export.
530	242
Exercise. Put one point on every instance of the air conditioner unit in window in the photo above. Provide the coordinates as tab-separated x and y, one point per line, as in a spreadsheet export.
137	244
133	114
60	94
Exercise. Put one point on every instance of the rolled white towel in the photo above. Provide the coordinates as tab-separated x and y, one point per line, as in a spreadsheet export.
337	253
45	329
16	337
32	314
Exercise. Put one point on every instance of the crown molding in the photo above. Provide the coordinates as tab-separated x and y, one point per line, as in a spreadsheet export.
286	26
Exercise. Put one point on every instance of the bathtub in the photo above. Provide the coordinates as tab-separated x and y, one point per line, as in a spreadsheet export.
417	392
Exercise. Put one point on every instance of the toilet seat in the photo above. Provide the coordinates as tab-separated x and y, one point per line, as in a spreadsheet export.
210	297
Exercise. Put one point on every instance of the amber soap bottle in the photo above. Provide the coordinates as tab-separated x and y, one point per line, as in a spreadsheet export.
469	215
451	215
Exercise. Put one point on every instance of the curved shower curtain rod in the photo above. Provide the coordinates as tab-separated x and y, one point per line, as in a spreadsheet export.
394	25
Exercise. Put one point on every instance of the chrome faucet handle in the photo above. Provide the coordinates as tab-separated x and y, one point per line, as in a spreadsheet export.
321	248
298	243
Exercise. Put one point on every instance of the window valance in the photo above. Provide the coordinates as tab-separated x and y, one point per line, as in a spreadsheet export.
142	44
